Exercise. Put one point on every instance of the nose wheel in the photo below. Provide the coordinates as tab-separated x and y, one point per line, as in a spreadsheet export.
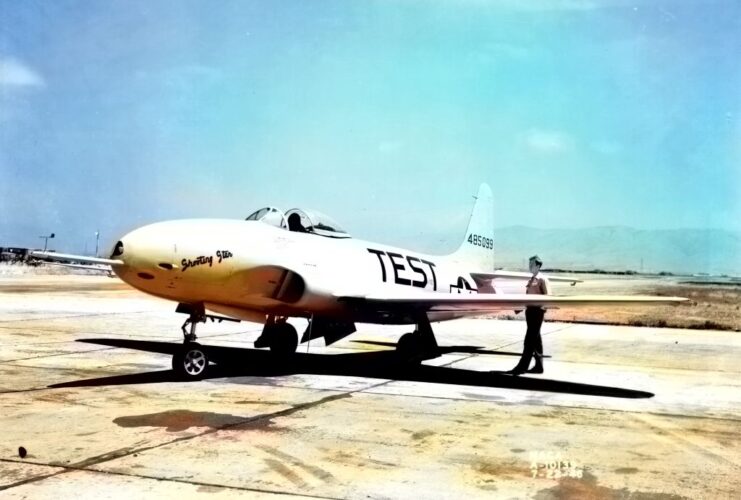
190	362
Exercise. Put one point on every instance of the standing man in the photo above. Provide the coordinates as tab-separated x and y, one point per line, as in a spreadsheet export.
537	284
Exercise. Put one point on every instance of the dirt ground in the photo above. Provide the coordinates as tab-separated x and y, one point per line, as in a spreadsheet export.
711	306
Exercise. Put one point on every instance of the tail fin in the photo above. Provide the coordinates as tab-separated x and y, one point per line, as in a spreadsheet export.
477	249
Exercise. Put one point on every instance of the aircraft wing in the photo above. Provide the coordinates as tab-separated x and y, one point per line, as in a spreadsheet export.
76	258
515	275
483	303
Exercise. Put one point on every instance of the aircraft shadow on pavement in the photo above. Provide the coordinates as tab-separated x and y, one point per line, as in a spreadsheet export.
245	362
464	349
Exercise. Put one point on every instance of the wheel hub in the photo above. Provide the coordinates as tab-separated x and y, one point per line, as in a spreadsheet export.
194	362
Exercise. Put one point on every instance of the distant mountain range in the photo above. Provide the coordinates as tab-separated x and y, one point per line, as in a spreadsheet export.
618	248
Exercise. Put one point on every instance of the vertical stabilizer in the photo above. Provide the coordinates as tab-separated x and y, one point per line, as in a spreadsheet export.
477	250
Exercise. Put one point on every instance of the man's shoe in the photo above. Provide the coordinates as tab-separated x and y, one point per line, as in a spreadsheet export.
536	369
515	371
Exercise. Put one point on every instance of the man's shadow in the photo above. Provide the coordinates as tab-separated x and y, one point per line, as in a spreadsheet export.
245	362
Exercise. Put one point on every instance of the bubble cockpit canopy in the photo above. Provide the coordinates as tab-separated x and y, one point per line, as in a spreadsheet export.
300	221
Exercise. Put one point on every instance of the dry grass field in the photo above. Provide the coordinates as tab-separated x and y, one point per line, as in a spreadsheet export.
711	306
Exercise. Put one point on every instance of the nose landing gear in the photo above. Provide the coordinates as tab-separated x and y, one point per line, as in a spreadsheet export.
190	362
189	335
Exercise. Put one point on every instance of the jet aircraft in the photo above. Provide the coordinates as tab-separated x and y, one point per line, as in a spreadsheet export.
277	265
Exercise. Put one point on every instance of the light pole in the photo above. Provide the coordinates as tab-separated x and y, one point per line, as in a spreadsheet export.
46	240
97	238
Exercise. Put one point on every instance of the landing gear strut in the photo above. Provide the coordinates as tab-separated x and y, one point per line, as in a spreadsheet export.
420	343
279	335
189	335
190	361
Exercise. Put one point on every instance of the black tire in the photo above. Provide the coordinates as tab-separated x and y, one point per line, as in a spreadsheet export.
284	339
190	362
409	345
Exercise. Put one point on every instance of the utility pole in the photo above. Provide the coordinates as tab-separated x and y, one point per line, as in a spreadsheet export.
97	239
46	240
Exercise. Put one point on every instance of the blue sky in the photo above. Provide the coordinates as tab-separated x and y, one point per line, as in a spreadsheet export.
385	114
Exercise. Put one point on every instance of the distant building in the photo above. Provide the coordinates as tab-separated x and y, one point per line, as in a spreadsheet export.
18	255
14	255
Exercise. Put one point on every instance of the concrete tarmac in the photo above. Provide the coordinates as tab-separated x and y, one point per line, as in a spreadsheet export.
87	393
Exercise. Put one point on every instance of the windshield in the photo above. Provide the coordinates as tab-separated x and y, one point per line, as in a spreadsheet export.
269	215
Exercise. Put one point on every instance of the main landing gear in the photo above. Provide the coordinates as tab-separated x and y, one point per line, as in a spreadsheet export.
420	343
279	335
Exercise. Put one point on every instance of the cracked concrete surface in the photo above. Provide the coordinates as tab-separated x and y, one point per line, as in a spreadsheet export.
638	412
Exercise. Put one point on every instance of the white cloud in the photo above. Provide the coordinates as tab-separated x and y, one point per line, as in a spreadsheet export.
548	141
13	73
